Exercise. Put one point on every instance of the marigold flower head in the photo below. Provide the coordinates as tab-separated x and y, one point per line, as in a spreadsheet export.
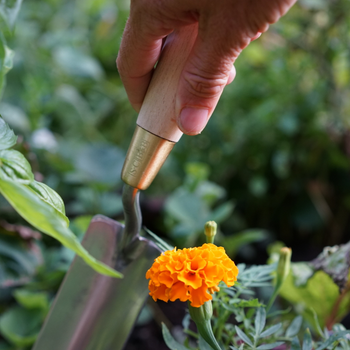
188	274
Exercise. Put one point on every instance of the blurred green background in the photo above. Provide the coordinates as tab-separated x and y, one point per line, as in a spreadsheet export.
272	164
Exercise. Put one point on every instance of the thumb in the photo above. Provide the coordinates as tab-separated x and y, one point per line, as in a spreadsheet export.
207	71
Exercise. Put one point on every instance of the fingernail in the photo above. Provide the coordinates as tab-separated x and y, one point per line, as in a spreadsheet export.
193	120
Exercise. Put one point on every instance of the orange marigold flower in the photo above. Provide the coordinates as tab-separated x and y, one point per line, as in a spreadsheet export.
188	274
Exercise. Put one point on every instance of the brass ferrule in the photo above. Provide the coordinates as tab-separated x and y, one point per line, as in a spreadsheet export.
146	155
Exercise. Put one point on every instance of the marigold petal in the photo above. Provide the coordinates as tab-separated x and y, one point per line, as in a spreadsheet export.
199	296
190	279
166	278
160	293
179	291
197	263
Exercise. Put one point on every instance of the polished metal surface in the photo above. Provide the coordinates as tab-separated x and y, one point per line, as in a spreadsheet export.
96	312
132	214
146	155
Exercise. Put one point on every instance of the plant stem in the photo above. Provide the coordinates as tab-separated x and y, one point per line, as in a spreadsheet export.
221	324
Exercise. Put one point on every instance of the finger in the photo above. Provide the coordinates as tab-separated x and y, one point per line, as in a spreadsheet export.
207	71
139	51
258	35
231	76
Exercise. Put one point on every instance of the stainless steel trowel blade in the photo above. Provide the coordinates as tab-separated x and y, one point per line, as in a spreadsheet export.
96	312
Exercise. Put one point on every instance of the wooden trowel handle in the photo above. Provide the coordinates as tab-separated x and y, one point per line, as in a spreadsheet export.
157	131
157	114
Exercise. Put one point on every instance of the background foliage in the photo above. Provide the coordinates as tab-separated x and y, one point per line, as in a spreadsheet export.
273	163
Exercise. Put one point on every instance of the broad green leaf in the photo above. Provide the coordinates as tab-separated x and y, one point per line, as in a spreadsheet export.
260	320
270	346
271	330
9	10
14	166
21	326
333	338
32	300
294	327
307	341
170	341
319	294
243	336
46	218
49	196
7	136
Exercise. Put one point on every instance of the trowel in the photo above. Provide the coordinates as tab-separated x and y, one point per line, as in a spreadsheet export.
96	312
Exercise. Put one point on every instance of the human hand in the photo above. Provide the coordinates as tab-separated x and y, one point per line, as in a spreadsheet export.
225	29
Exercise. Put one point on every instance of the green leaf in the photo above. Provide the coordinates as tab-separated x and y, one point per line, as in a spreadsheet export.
319	294
6	59
9	10
294	327
14	166
7	136
21	326
249	303
76	63
233	243
170	341
22	262
270	346
295	344
32	300
260	321
243	336
203	345
307	341
222	212
49	196
333	338
49	220
271	330
317	324
162	245
302	272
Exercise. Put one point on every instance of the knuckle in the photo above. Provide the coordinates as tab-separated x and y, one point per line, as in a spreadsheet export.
204	85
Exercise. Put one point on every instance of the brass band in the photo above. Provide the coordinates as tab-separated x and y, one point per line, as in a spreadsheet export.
146	155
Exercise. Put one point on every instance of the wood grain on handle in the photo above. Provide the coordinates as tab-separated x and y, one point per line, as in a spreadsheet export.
157	114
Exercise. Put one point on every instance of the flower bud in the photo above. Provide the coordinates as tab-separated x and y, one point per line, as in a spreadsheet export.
210	229
202	316
202	313
283	266
282	272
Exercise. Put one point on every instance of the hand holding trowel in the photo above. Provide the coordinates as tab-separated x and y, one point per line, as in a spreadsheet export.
96	312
